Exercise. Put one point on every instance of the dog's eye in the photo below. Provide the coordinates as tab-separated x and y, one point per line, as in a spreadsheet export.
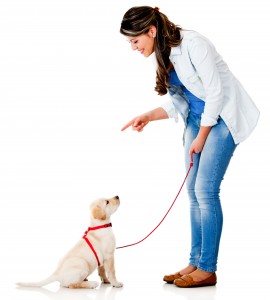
107	202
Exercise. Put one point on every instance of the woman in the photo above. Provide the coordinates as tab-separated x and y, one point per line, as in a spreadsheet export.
218	115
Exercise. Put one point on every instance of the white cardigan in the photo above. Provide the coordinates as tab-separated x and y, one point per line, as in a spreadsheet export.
204	73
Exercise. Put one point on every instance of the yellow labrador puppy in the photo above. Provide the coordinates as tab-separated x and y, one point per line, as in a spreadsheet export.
94	250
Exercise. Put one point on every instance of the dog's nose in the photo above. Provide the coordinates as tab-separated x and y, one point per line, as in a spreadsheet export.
116	197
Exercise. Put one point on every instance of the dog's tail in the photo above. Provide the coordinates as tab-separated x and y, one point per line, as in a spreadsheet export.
41	283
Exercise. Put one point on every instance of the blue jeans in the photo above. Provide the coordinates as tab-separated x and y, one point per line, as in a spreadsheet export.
203	184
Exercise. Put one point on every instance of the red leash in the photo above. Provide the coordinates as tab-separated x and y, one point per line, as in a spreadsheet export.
190	166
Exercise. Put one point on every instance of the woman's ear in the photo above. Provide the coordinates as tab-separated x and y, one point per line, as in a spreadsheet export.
153	31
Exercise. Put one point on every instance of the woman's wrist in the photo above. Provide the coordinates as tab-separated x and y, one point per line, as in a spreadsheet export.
157	114
203	132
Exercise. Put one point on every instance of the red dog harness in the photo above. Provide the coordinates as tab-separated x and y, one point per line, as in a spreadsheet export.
89	243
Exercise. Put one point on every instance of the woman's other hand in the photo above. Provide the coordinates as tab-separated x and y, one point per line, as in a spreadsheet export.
199	141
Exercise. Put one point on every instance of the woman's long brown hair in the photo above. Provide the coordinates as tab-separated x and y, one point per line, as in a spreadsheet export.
138	20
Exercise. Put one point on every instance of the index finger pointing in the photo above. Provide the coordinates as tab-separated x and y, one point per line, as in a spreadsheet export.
127	125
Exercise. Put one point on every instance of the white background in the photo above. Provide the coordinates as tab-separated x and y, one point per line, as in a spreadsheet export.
68	83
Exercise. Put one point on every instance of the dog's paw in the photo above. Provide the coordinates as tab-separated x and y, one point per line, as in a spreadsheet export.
117	284
93	284
85	284
105	281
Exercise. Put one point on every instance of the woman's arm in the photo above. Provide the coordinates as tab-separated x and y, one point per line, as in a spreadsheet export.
198	143
203	56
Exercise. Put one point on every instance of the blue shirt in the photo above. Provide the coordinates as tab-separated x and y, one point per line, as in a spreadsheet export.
196	105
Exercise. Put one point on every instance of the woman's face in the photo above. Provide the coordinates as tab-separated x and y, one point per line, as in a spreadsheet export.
144	43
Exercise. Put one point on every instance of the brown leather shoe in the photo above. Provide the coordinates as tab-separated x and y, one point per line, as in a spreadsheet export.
172	277
188	282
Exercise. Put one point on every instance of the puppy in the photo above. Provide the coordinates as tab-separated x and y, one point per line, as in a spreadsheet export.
94	250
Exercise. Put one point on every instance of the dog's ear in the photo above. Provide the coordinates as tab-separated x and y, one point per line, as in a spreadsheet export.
98	213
